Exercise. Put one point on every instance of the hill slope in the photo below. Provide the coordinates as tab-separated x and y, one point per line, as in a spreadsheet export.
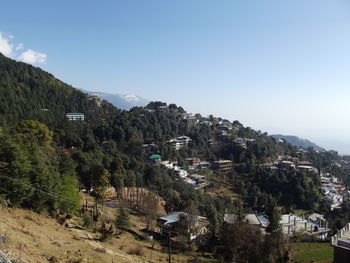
296	141
38	238
42	238
28	92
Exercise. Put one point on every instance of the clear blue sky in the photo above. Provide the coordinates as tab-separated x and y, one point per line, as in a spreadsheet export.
278	66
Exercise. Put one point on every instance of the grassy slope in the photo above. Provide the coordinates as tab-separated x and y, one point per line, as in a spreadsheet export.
312	252
42	237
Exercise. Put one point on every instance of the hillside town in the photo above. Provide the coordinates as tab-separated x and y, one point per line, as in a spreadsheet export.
185	183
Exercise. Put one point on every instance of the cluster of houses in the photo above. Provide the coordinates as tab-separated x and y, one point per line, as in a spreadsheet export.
292	163
194	164
222	126
195	226
243	142
198	181
313	225
333	190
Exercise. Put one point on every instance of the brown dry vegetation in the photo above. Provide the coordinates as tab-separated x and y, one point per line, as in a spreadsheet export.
39	238
221	187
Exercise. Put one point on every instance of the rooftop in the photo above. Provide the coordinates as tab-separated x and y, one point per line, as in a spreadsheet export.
304	163
223	161
155	156
176	216
172	217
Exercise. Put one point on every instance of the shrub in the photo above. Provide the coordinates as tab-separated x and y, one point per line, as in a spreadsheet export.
136	251
87	221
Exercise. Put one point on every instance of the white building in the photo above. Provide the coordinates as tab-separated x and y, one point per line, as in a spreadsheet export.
179	142
75	116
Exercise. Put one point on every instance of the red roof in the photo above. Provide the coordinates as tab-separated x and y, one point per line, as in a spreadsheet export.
304	163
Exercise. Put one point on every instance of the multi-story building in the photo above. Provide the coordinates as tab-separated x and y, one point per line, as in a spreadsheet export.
223	165
179	142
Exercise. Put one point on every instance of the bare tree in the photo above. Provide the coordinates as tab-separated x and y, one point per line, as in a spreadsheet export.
150	208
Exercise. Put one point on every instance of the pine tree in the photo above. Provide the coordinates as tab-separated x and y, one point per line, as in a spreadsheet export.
118	175
123	219
68	190
274	217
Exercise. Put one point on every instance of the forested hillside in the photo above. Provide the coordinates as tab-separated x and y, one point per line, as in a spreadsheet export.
108	145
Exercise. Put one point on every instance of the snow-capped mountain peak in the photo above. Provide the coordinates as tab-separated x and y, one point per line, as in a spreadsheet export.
131	97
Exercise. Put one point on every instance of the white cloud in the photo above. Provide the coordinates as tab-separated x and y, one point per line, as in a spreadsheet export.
33	57
19	46
6	48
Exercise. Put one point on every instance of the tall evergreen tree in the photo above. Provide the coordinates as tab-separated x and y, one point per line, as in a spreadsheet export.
274	217
123	219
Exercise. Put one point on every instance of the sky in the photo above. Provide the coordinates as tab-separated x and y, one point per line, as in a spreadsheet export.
277	66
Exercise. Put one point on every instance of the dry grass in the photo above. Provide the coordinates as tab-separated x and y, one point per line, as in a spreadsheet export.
221	186
136	251
101	250
225	192
49	240
41	239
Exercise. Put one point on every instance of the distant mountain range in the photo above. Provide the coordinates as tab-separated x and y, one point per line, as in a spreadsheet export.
124	102
296	141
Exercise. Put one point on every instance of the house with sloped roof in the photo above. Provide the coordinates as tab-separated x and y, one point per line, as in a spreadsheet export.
179	142
181	223
155	158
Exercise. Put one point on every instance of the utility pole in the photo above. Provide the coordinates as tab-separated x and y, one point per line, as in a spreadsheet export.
169	235
169	232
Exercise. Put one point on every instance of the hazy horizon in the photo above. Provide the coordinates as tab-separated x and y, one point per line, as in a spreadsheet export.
279	67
